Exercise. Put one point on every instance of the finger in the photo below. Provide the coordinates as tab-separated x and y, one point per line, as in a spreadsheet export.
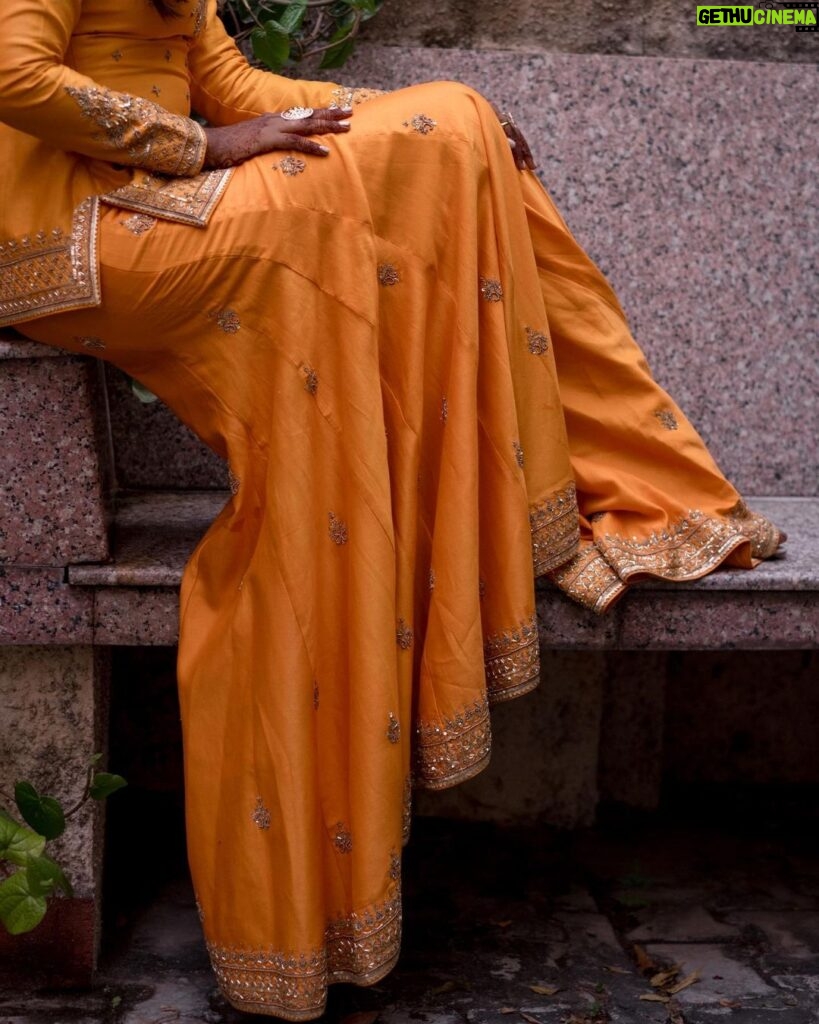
317	126
516	153
334	113
304	145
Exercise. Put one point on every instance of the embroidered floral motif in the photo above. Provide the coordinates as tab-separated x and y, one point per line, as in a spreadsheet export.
453	749
139	223
311	380
338	529
406	810
261	815
491	289
167	55
188	200
555	525
538	342
343	97
431	579
315	695
512	660
155	90
588	579
52	271
403	635
667	419
117	55
141	131
233	481
290	165
89	342
388	274
393	729
762	533
421	124
360	948
516	447
226	320
342	838
444	409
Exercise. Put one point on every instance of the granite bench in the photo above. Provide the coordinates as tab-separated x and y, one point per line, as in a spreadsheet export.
705	223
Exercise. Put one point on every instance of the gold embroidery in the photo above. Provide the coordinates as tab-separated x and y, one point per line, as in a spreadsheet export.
155	90
555	525
199	910
261	815
518	453
343	97
431	579
387	274
315	695
233	481
667	419
198	15
338	529
481	588
491	289
588	579
117	55
167	55
226	320
141	131
406	810
395	866
360	949
290	165
538	343
139	223
310	379
421	124
512	661
89	342
444	409
342	838
184	200
455	749
595	517
393	729
689	547
51	272
762	533
403	635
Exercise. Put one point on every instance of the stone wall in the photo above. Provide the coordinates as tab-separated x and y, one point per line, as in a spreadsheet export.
655	28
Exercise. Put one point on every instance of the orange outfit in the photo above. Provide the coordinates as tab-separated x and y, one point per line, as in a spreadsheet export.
427	394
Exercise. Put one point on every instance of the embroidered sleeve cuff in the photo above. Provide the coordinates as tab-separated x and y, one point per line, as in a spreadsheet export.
193	151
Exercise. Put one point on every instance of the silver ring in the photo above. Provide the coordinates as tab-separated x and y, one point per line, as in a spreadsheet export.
297	113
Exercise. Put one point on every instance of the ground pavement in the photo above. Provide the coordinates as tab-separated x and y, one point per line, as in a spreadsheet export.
696	915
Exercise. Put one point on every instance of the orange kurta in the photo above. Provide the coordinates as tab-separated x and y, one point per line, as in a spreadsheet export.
427	395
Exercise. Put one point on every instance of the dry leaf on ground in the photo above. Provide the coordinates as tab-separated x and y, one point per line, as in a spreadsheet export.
662	978
644	961
616	970
689	979
544	990
528	1017
654	997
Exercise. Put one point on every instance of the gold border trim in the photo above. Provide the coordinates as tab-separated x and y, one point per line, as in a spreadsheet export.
588	579
512	660
555	524
183	200
454	750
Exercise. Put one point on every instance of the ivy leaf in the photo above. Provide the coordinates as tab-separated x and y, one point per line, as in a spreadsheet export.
104	784
142	393
271	45
367	7
45	876
20	909
43	813
95	758
293	17
18	843
338	54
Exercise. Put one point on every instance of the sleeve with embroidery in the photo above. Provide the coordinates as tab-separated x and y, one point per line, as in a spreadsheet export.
226	89
42	96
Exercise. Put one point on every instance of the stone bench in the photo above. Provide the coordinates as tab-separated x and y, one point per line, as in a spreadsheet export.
690	182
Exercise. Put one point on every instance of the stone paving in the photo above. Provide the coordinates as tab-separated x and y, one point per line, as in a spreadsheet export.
652	919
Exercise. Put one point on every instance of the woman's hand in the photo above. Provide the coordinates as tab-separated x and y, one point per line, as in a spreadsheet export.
520	147
231	144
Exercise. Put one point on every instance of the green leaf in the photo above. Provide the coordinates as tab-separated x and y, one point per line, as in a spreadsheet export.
271	45
45	876
95	758
20	909
104	784
338	54
18	843
293	16
142	393
43	813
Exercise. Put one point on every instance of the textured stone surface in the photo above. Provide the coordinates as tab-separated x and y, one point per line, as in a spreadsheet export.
153	448
721	976
659	27
143	616
37	607
558	725
692	185
53	701
690	924
52	480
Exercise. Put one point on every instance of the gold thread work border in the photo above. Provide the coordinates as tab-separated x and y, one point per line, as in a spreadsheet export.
453	750
359	949
555	525
512	660
183	200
